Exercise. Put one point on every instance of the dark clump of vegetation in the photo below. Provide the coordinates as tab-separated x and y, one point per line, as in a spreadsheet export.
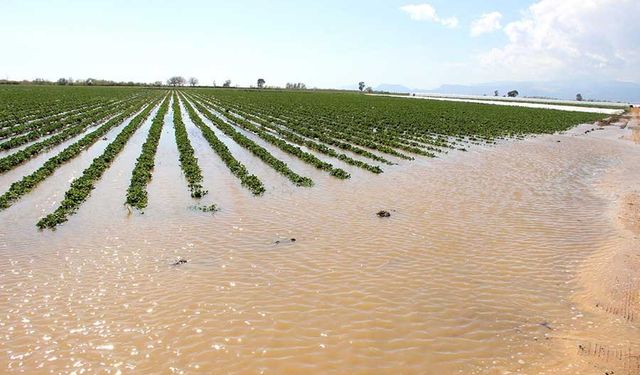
383	213
206	208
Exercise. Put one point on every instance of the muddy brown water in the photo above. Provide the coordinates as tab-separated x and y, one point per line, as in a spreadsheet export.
493	261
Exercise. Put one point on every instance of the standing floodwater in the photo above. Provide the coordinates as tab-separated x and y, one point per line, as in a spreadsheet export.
477	270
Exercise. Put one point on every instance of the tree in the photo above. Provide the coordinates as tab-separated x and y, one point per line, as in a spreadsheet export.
157	83
496	93
512	93
361	85
261	82
62	81
369	90
227	83
193	81
176	81
579	97
296	86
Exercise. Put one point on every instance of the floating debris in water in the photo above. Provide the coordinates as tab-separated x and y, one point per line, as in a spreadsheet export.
179	262
546	325
209	208
290	240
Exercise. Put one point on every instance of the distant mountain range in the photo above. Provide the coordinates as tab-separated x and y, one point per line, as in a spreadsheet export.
607	90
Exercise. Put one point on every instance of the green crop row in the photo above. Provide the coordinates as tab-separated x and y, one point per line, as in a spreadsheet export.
237	169
28	183
371	140
188	161
289	118
395	122
258	151
13	160
22	104
321	136
77	121
82	186
141	175
286	147
41	122
297	139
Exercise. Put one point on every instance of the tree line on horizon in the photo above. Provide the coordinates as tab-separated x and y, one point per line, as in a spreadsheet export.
178	81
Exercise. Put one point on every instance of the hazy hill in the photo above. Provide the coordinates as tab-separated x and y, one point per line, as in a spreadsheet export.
607	90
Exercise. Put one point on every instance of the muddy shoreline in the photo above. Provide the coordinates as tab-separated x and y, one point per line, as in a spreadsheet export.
609	280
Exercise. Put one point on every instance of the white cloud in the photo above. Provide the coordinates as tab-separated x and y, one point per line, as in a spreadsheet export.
487	23
559	39
426	12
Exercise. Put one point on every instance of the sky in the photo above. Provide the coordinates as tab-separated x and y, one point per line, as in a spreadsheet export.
329	43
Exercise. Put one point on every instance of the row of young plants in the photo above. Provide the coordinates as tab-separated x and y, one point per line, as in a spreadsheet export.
82	186
299	140
15	159
437	140
137	192
342	136
29	182
369	139
20	104
372	140
301	127
399	117
313	134
45	121
50	112
17	116
381	136
408	143
76	121
188	161
285	146
59	114
255	149
250	181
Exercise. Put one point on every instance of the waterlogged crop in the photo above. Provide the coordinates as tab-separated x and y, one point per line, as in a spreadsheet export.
285	146
394	122
238	169
137	192
15	159
188	161
348	131
299	140
258	151
27	183
81	187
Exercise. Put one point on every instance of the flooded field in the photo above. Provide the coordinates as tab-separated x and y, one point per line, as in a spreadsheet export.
519	257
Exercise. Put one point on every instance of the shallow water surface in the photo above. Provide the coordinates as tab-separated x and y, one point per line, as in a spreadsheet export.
476	270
